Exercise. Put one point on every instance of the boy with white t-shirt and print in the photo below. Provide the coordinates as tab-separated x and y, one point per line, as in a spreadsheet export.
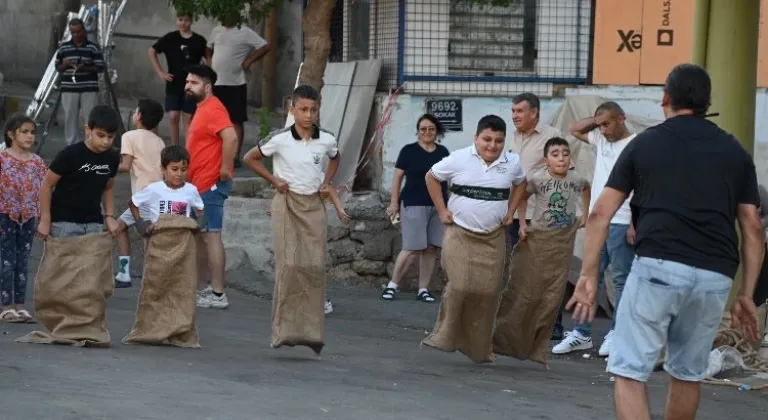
172	195
140	155
608	132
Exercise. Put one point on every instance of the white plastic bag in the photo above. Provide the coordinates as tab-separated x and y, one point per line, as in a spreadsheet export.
722	359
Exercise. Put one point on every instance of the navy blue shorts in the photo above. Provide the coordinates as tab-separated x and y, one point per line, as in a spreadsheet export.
174	102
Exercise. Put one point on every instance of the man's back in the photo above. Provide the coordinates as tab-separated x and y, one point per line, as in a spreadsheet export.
688	177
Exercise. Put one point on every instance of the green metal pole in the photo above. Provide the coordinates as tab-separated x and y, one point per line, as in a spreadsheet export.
700	31
731	59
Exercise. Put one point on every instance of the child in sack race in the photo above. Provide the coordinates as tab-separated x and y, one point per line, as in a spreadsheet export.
21	174
486	188
299	220
167	301
541	260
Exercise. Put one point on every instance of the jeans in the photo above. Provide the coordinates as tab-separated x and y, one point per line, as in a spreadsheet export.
673	303
619	255
15	247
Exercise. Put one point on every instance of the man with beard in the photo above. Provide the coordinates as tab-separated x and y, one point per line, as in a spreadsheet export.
181	48
484	197
212	143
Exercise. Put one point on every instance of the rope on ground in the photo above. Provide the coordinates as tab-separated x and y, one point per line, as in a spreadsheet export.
752	360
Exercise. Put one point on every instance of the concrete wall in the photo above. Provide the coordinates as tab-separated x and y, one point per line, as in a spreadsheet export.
28	43
639	101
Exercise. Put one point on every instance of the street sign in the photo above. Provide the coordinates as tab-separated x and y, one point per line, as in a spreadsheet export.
448	112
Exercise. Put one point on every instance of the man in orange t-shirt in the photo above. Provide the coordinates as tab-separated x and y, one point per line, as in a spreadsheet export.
212	144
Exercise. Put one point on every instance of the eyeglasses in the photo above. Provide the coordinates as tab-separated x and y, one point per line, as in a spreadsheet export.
427	129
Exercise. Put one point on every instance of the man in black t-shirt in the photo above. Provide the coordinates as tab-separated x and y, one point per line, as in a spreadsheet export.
181	48
80	181
691	182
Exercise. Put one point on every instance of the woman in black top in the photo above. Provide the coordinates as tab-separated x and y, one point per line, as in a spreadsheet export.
421	230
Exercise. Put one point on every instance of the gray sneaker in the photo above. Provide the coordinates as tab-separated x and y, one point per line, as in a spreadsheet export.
213	301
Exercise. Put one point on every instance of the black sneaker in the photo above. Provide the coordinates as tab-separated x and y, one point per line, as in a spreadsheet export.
122	284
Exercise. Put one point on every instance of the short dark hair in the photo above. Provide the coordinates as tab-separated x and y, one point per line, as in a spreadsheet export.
14	123
611	107
491	122
105	118
183	13
204	72
431	118
688	86
173	153
151	113
77	22
304	92
555	141
532	99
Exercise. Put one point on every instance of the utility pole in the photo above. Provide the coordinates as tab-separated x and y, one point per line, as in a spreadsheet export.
726	34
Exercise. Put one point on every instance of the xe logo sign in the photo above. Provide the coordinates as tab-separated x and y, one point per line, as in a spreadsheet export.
630	40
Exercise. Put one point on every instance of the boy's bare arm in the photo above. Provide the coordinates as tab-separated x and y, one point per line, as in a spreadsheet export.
134	211
46	191
253	160
201	220
126	161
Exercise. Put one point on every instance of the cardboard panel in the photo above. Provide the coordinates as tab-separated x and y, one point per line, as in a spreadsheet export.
762	47
668	38
618	40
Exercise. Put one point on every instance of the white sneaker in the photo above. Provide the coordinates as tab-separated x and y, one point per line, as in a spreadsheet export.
328	307
572	342
212	301
605	348
765	341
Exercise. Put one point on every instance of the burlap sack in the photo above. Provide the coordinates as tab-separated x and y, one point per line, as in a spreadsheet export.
73	283
534	294
473	264
166	307
299	241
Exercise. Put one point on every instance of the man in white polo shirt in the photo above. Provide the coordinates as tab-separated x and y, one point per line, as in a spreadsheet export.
299	220
608	132
485	183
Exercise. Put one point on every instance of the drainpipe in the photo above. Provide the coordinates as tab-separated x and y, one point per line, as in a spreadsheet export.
700	30
731	59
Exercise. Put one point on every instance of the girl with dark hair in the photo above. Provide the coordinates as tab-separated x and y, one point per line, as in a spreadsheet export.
21	174
422	230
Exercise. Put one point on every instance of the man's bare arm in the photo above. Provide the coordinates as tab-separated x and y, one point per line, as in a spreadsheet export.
752	247
256	55
580	129
229	146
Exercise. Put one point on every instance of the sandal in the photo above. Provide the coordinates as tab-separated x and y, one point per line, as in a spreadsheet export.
425	296
388	294
9	316
24	316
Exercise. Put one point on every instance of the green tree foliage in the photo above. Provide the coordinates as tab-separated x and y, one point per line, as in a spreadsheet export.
236	12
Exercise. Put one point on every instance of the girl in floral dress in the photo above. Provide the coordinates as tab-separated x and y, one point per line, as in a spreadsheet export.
21	173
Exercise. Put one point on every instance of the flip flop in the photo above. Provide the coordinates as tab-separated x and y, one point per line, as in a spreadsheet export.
9	316
25	317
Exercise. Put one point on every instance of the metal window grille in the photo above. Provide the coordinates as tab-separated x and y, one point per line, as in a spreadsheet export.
456	47
384	41
337	33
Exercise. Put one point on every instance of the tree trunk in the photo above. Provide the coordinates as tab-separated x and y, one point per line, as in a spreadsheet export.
317	42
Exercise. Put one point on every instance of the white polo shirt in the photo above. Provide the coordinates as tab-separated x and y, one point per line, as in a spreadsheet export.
300	161
607	154
465	168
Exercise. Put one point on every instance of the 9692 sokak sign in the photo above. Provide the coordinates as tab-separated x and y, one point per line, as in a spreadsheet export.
447	111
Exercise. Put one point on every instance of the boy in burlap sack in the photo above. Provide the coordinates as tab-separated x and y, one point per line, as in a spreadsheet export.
74	278
166	308
541	260
485	190
299	220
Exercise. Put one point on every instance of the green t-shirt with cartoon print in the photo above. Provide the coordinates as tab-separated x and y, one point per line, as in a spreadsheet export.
555	199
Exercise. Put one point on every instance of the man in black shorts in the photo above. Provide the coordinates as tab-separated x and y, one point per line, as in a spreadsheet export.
232	51
181	48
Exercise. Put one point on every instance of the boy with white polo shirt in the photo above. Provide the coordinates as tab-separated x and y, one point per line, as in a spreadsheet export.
299	220
608	132
486	188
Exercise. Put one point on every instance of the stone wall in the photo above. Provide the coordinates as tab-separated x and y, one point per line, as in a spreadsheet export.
362	252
